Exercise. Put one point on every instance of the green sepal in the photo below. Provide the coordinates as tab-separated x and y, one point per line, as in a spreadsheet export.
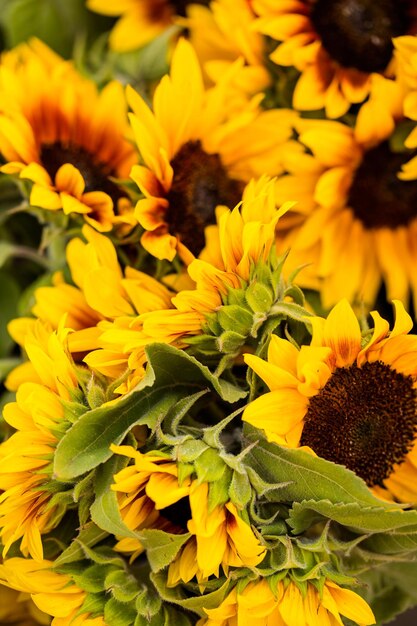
286	555
294	292
167	616
88	536
121	585
219	492
72	412
147	602
240	490
185	470
96	395
211	325
259	297
161	547
118	613
292	311
190	450
93	604
92	580
209	466
170	376
236	318
173	419
229	341
197	604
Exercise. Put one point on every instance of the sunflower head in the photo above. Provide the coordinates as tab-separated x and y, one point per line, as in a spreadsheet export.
189	495
196	157
338	46
51	139
355	219
347	398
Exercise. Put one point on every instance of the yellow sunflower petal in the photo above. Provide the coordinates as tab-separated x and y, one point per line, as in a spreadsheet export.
277	412
342	334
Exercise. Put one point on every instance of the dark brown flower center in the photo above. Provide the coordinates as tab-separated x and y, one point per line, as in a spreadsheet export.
377	196
96	174
200	183
358	33
364	418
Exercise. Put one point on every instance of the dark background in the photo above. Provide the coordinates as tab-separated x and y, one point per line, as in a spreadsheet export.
409	618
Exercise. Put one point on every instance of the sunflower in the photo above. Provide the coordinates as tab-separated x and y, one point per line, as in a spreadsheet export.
220	34
53	593
339	46
219	536
144	489
103	297
141	20
26	508
51	139
354	221
266	602
194	157
350	400
244	244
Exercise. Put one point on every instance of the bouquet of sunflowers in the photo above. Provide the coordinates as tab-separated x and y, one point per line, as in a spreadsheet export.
208	286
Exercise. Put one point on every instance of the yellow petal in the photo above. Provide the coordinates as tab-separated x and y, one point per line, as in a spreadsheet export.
342	334
277	412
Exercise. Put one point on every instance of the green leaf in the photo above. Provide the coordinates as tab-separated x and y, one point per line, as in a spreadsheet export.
394	543
105	511
170	376
390	590
357	517
161	547
55	22
303	476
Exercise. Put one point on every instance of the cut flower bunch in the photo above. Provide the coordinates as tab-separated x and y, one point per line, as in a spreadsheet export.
208	350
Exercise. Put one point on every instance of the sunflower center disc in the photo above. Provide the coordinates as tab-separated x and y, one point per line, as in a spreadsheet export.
377	196
200	183
96	175
358	33
364	418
